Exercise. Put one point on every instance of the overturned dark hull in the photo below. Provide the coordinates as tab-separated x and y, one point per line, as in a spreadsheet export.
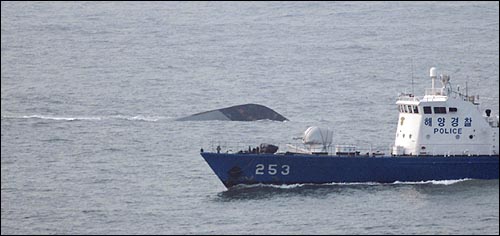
246	112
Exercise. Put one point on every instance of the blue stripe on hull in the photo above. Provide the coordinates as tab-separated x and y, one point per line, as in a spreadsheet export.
233	169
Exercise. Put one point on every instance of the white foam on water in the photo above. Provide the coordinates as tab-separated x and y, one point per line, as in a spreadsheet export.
73	118
57	118
291	186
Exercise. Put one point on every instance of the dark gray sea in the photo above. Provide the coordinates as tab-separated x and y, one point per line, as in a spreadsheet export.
90	94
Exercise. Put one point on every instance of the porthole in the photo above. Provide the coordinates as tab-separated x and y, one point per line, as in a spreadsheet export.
409	136
471	136
428	136
457	136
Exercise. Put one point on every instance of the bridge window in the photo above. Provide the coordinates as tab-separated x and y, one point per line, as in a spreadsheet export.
409	109
439	110
453	109
427	110
405	108
415	109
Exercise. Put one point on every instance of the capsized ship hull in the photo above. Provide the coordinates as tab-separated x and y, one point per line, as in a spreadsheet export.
234	169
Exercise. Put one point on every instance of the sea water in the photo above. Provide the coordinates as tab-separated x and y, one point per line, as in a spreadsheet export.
90	92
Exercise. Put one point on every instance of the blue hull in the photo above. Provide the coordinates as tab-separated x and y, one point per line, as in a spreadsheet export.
233	169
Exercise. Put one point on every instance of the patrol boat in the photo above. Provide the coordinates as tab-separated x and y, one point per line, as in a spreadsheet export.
440	136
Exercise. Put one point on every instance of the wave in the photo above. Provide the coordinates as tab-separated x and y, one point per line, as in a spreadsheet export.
89	118
139	118
51	117
291	186
437	182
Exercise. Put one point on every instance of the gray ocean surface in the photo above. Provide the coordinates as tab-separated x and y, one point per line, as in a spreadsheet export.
90	92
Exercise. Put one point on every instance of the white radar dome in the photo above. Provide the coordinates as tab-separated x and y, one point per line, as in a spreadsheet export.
316	135
433	72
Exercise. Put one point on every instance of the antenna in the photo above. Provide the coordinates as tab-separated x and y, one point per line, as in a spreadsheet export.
466	90
412	77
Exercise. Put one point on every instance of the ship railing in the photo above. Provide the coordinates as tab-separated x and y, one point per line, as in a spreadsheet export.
295	147
435	92
338	149
472	152
331	150
409	97
236	147
449	92
439	92
470	98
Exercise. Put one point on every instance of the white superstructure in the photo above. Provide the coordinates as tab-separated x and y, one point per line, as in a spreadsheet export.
444	122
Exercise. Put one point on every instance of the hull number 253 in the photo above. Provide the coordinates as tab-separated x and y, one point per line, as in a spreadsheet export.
272	169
